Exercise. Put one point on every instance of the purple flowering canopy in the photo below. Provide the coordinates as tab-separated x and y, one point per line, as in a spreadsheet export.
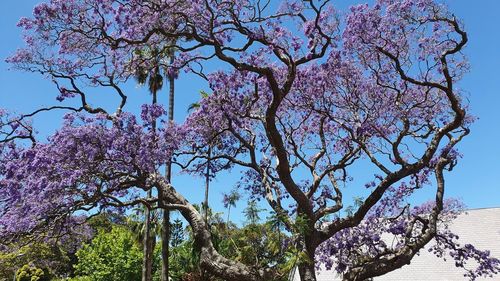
307	95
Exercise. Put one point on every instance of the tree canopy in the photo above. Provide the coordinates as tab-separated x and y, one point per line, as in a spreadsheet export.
308	93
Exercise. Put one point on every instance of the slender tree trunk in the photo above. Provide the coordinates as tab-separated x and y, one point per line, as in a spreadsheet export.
207	185
228	213
152	244
148	243
165	249
165	245
146	271
171	92
203	273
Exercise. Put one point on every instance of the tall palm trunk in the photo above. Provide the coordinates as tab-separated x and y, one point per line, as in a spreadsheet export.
204	274
146	242
207	185
149	240
165	243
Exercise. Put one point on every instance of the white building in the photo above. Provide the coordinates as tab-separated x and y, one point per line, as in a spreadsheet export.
479	227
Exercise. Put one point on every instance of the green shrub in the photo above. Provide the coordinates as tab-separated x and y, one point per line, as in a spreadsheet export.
32	273
111	256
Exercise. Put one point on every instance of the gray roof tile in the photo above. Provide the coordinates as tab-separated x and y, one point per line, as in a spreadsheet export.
479	227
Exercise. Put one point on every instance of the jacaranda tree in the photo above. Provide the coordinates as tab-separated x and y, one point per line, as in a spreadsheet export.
308	101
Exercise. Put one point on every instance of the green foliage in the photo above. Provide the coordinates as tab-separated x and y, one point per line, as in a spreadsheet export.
106	221
256	245
115	253
184	261
176	233
42	255
301	225
79	278
111	256
32	273
252	211
293	257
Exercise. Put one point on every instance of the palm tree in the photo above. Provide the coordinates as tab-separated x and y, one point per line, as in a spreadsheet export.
209	157
165	244
145	228
229	200
155	82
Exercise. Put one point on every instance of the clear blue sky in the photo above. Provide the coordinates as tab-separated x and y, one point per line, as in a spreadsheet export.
476	180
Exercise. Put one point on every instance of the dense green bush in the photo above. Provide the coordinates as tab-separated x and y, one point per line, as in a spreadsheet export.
32	273
50	256
111	256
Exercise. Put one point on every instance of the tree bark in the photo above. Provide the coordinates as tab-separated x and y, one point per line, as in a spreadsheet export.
207	185
210	259
307	272
165	244
152	244
146	270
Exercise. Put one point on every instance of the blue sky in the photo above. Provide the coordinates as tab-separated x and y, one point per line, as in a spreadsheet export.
476	180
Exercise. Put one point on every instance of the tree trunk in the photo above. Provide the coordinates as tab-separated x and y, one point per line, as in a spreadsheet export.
203	273
207	185
146	242
165	249
152	244
165	245
307	272
210	259
307	269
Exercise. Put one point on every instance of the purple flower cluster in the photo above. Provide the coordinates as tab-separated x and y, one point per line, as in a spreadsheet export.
150	113
308	96
85	164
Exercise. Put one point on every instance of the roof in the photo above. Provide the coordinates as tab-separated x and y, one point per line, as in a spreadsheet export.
479	227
